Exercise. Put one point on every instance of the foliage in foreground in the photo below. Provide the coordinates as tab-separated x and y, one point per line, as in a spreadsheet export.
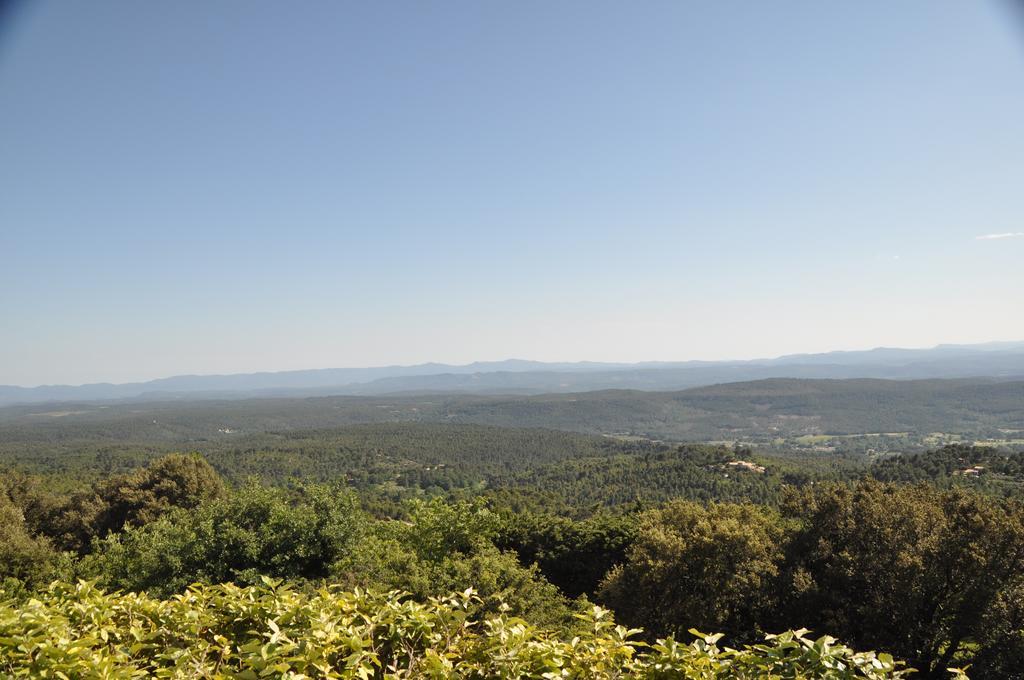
274	631
935	577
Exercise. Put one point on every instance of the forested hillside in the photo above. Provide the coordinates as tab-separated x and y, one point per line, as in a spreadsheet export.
931	576
757	410
389	462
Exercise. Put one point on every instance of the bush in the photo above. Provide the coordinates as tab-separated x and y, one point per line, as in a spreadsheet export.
77	631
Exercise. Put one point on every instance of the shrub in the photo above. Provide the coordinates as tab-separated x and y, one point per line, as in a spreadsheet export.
78	631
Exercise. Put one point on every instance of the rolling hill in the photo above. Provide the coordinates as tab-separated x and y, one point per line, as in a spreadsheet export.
761	409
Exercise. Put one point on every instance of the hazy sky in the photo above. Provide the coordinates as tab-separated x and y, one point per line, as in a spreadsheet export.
196	187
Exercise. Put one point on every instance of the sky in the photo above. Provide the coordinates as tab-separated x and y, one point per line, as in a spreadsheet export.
219	187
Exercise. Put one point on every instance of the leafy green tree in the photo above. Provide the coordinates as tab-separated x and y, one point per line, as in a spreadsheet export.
1000	645
174	481
131	500
446	547
38	504
573	555
711	567
436	528
911	568
255	531
23	557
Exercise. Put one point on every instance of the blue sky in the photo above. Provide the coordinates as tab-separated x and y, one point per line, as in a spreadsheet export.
196	187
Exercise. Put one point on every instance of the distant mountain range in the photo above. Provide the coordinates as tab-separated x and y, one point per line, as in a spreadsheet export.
1003	360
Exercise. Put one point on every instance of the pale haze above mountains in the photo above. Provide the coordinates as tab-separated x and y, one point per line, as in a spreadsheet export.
1001	360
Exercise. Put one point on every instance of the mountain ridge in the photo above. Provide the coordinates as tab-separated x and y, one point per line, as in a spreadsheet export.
523	376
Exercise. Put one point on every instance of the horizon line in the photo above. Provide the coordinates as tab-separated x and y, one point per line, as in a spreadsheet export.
509	360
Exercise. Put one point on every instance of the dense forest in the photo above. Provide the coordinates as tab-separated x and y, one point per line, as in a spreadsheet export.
536	548
763	410
920	556
953	557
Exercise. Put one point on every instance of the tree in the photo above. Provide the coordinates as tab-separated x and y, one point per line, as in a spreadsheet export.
174	481
692	566
912	569
24	557
573	555
255	531
132	500
447	547
437	529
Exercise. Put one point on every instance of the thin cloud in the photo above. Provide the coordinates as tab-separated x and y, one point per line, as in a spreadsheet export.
990	237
